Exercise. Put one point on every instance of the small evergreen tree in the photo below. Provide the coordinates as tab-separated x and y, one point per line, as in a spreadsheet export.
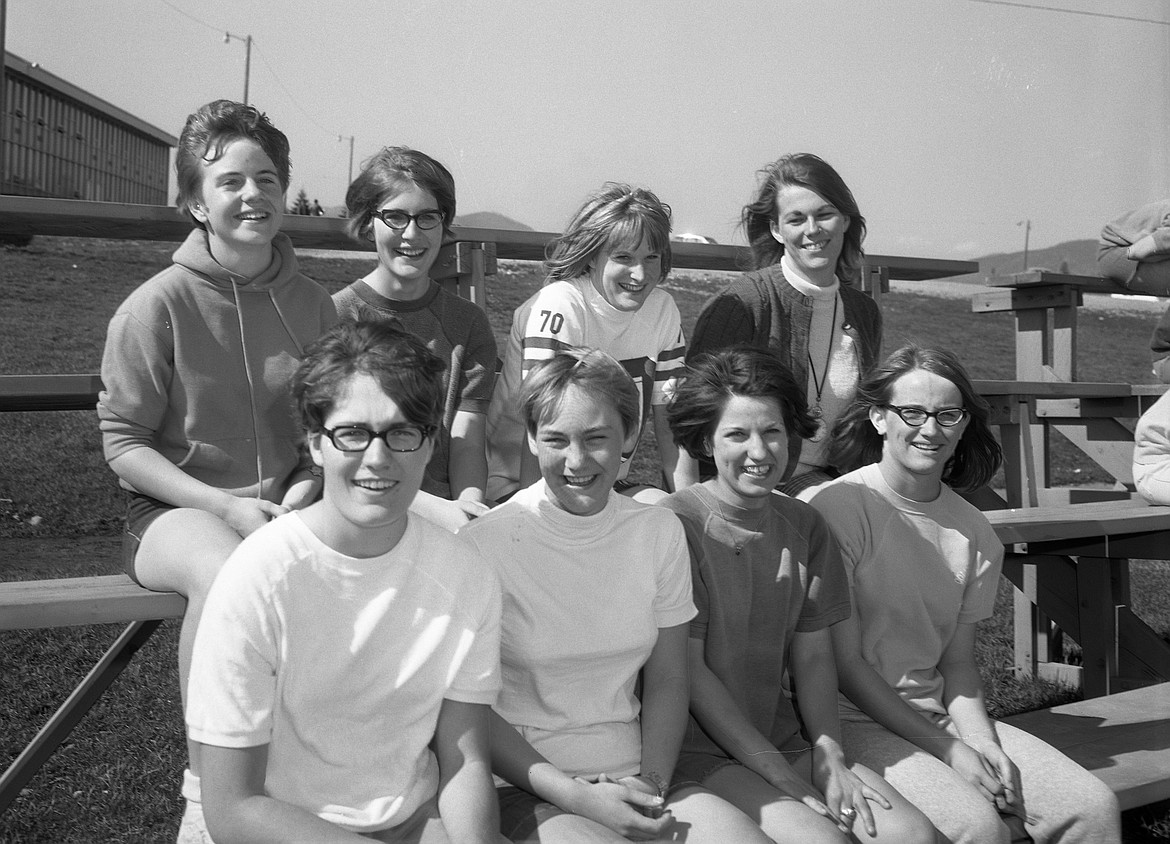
301	204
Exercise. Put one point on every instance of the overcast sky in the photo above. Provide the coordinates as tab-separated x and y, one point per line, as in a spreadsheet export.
951	120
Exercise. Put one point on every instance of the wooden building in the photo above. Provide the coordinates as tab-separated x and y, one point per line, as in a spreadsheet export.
61	141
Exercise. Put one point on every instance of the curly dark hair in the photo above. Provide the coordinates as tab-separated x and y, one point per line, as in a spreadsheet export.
714	377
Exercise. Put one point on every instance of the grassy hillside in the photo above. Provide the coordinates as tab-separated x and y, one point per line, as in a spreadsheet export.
1078	257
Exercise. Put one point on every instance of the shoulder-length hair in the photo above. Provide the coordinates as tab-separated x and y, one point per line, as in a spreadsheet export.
614	216
207	133
389	172
712	378
855	442
802	169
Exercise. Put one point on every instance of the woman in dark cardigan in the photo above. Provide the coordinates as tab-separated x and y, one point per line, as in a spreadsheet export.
805	231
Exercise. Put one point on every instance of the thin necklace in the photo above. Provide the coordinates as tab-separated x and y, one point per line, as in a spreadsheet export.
816	412
732	525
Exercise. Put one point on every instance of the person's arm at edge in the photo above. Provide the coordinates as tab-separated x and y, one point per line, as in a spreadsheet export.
467	795
236	807
1151	453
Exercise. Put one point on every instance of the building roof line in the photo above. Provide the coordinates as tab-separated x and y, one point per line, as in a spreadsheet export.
15	64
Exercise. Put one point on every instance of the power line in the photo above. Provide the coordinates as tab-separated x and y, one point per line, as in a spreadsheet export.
263	58
190	17
1072	11
293	99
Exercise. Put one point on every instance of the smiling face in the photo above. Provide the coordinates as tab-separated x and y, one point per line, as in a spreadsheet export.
241	202
811	230
367	493
579	448
750	450
405	257
914	459
624	275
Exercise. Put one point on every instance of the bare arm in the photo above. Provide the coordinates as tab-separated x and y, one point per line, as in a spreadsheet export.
678	469
815	678
467	463
869	692
664	702
963	698
237	809
303	489
152	474
451	515
723	719
467	796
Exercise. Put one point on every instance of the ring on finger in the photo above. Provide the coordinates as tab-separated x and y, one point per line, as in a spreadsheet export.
848	812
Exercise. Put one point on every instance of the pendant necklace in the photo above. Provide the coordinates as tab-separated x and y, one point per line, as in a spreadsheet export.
738	543
819	384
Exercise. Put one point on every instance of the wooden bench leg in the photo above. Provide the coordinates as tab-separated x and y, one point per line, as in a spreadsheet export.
58	728
1098	624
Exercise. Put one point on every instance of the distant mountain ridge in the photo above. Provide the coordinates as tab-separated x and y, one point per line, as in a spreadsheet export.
1077	257
490	220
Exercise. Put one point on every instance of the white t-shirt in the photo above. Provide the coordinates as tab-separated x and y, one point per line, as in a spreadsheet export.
918	569
648	342
340	665
584	598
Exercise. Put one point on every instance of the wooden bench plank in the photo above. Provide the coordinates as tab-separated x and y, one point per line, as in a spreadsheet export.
49	392
1123	738
1075	521
66	602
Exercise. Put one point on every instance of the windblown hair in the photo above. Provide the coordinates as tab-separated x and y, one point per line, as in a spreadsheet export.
389	172
802	169
617	215
712	378
207	133
403	366
855	442
590	370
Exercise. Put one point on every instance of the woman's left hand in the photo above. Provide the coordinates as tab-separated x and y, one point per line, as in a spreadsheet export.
1010	800
847	796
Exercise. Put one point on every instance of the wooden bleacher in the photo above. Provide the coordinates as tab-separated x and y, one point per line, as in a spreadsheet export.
466	264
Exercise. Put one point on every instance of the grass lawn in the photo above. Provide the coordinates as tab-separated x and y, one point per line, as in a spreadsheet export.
118	777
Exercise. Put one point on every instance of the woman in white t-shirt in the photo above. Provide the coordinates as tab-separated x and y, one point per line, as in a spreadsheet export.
924	566
348	656
597	596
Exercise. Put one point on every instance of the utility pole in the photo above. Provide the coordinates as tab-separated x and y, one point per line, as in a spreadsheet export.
1027	224
340	138
247	39
4	145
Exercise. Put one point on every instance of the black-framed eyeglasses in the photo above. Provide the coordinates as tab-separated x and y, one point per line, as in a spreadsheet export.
400	220
400	438
916	417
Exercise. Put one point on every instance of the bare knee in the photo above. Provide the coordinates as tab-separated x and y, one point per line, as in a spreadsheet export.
183	551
